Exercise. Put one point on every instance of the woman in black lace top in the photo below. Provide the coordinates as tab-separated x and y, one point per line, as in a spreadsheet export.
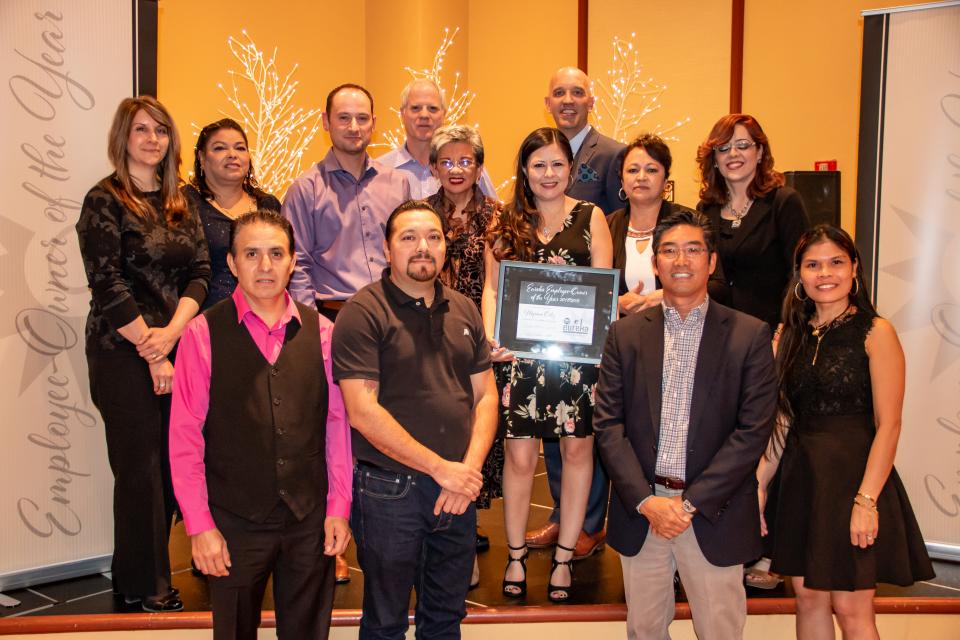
224	187
844	520
147	266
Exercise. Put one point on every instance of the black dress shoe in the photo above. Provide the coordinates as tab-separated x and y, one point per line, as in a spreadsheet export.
162	604
483	542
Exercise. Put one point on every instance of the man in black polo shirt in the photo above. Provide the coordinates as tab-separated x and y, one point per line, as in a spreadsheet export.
413	364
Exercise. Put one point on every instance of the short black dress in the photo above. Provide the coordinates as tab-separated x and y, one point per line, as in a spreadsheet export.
545	398
822	466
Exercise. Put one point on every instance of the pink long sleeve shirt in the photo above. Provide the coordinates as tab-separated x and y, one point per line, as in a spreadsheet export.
191	397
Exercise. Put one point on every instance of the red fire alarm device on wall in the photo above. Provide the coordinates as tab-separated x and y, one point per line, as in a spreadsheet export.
825	165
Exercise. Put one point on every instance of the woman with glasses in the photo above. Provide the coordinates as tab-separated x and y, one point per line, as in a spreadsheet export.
456	159
544	398
645	167
757	219
759	222
223	188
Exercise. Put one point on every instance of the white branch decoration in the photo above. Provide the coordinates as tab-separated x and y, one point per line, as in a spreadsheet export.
458	101
279	132
626	97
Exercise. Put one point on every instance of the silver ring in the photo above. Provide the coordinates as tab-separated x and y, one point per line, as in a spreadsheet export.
869	537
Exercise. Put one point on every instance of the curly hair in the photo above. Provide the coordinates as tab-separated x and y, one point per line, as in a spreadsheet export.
514	235
250	184
713	187
121	185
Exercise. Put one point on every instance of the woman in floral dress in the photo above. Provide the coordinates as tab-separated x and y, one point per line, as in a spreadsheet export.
540	398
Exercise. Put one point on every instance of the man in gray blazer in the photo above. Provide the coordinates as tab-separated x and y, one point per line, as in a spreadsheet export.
686	403
595	178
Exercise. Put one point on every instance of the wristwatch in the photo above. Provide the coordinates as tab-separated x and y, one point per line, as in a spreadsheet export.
688	506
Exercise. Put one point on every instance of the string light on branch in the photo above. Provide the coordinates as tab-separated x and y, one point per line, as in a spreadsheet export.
279	132
626	97
458	99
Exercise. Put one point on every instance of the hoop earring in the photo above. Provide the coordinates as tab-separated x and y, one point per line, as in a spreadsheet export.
622	194
856	284
796	292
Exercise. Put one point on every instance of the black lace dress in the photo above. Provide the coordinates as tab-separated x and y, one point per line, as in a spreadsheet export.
822	466
545	398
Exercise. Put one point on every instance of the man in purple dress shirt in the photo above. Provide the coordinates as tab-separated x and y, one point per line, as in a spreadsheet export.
339	207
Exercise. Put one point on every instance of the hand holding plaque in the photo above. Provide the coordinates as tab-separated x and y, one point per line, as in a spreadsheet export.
555	312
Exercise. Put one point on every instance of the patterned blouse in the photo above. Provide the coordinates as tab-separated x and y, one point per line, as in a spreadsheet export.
136	266
463	268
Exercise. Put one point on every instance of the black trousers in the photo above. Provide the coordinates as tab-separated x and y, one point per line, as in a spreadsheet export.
303	578
136	423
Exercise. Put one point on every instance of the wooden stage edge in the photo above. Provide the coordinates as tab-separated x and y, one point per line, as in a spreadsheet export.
489	615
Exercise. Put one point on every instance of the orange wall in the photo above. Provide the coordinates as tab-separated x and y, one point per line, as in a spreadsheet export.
801	69
683	44
499	56
801	79
514	49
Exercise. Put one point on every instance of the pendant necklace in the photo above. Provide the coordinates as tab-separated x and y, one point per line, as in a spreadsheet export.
738	215
821	330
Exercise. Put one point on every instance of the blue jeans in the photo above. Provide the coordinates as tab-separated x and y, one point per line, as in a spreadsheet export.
401	545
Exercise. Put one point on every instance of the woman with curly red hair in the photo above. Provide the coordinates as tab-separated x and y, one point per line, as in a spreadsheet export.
757	219
758	222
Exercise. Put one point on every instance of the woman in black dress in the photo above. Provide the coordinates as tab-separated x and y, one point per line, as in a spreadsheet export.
844	519
644	170
147	266
223	188
544	398
456	158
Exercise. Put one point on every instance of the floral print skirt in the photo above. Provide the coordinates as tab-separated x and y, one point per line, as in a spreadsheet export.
546	399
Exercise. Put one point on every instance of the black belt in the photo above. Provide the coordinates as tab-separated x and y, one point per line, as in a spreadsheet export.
670	483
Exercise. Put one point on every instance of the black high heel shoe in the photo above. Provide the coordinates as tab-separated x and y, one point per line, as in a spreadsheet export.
519	585
563	593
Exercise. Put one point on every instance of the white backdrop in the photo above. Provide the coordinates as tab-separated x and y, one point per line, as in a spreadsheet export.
65	65
918	258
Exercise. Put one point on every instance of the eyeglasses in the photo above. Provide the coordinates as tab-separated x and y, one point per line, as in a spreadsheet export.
692	252
463	163
739	145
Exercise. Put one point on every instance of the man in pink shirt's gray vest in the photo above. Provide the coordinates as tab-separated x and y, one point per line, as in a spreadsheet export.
260	451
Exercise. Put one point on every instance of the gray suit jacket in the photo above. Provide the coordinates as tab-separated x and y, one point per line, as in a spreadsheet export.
596	175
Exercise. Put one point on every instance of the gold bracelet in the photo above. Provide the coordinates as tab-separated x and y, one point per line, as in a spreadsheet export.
867	497
871	507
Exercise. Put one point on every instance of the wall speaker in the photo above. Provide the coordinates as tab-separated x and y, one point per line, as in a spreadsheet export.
820	191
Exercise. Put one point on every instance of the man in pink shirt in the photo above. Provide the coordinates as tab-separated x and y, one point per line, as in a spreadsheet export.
259	444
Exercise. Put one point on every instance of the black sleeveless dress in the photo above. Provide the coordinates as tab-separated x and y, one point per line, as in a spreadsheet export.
546	398
822	467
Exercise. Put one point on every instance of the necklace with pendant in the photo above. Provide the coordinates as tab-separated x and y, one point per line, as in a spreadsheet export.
821	330
738	214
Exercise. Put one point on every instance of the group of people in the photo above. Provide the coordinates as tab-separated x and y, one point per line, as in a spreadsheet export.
747	349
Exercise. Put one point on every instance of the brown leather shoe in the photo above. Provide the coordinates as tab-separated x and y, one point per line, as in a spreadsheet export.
589	543
545	536
343	571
